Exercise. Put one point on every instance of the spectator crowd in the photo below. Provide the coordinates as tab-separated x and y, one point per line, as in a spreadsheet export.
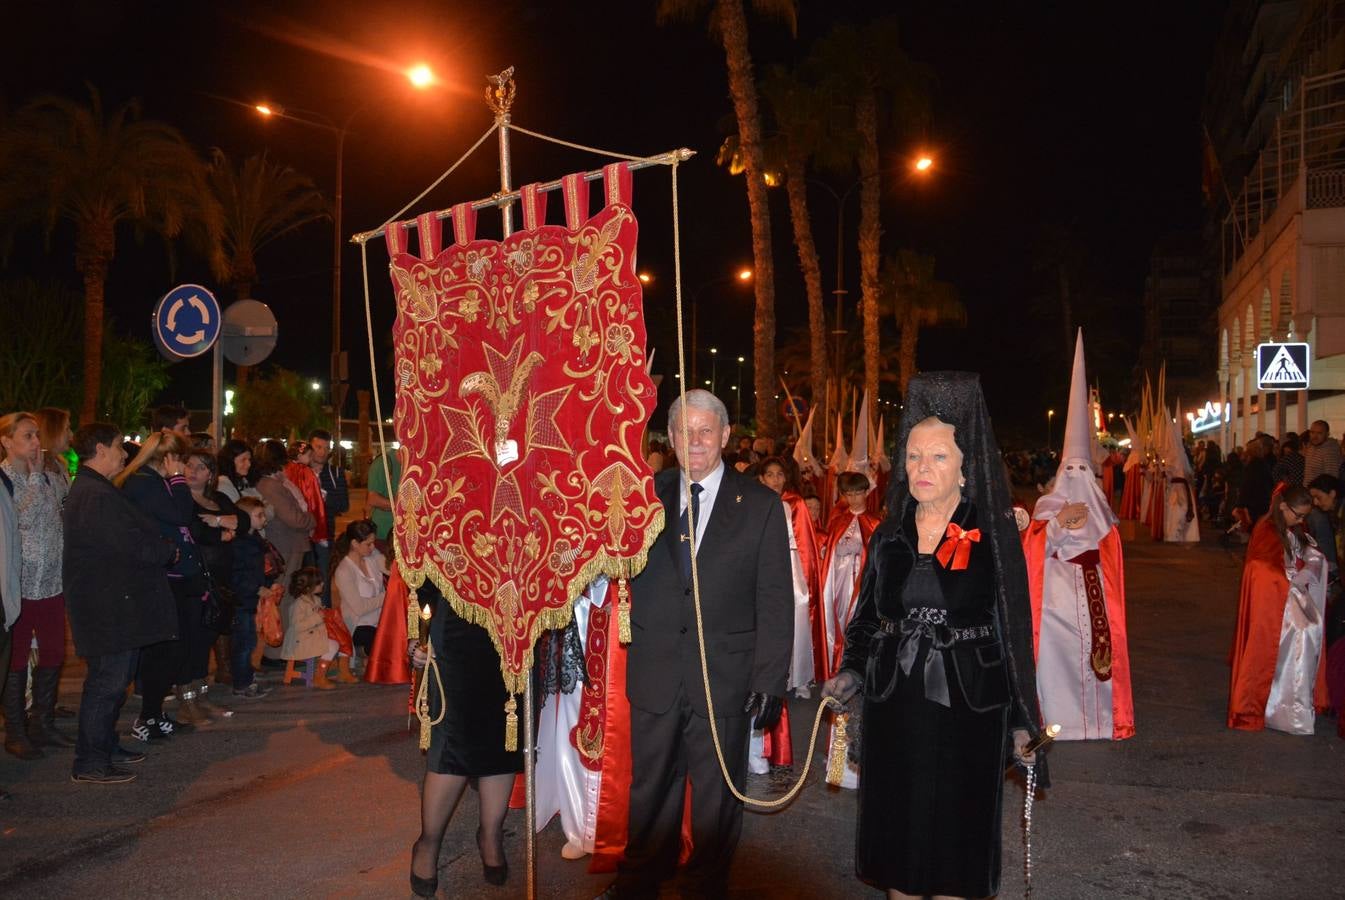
183	570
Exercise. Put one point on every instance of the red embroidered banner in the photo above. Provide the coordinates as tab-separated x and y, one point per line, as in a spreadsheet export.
522	399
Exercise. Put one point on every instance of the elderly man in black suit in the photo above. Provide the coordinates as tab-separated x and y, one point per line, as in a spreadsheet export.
747	600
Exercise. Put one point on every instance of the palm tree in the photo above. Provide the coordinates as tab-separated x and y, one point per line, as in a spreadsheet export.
887	87
729	23
260	201
917	300
805	117
61	160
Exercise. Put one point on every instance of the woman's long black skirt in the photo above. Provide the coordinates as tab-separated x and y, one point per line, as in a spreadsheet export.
931	784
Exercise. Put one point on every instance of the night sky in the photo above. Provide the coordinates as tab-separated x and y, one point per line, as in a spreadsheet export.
1046	118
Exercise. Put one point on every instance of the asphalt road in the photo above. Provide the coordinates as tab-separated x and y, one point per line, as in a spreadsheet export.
312	794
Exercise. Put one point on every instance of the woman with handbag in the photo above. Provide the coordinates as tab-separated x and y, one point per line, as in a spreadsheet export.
216	527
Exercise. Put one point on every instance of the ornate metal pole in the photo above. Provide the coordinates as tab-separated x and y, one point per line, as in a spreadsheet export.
500	98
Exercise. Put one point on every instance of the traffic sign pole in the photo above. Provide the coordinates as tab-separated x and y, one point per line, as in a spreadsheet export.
217	395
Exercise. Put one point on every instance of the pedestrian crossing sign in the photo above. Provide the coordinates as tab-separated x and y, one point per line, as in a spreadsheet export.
1282	367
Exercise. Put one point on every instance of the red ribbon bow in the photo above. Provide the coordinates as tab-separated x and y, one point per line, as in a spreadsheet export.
956	553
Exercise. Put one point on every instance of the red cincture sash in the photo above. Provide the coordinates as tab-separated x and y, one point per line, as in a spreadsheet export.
1101	655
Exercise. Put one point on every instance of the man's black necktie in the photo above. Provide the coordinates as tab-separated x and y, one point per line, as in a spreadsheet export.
684	530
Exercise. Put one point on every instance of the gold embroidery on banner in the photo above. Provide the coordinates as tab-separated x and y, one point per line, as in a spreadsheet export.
510	562
502	387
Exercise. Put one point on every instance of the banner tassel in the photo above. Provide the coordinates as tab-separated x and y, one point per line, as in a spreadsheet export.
511	724
623	611
839	745
412	614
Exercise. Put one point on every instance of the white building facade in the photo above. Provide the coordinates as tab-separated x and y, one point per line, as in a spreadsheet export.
1283	274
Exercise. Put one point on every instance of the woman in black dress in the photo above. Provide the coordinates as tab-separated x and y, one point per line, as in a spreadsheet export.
941	645
216	525
466	743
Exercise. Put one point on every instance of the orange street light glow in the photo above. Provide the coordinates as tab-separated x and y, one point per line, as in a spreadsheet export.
265	109
420	75
924	164
745	275
645	277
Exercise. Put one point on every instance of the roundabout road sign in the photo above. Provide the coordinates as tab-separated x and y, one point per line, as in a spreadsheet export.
186	322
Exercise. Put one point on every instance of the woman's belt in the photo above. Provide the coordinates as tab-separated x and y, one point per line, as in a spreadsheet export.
922	622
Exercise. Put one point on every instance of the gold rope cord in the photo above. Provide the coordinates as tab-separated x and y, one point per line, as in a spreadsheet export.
833	764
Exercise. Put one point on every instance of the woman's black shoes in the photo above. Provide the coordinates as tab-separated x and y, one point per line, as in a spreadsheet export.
496	875
423	887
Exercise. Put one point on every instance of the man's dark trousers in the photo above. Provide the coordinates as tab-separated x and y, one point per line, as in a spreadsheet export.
674	746
104	694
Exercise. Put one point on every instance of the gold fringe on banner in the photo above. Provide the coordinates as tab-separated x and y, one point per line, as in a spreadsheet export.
623	610
511	724
839	745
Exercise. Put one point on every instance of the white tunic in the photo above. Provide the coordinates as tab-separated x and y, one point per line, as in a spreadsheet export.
1289	707
564	786
1069	690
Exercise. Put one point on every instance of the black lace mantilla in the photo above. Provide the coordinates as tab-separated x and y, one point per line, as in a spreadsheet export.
956	398
560	661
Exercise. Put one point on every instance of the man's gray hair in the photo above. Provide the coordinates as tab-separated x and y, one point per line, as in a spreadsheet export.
697	399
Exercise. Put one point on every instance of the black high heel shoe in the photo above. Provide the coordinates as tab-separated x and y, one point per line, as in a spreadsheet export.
496	875
422	887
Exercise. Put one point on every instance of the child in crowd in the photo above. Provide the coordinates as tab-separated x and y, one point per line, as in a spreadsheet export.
256	567
307	636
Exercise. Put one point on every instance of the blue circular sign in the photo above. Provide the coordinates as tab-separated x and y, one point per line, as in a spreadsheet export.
186	322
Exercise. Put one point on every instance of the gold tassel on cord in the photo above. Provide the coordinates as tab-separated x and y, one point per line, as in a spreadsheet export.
839	744
623	610
412	615
511	725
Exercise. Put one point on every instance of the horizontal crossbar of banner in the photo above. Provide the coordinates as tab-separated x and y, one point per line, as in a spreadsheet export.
663	159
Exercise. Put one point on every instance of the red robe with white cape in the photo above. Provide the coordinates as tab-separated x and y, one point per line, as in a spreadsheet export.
1279	672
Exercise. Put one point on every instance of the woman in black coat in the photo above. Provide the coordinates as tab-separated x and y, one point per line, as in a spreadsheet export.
941	646
154	482
215	527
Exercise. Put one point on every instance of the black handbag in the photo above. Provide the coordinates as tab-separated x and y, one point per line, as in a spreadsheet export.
217	607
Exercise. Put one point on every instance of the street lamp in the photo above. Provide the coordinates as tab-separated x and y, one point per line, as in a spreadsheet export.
743	276
738	393
923	163
420	76
1050	414
714	368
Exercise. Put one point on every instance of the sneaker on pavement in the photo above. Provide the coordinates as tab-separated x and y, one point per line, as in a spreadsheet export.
171	727
148	731
109	775
122	756
253	691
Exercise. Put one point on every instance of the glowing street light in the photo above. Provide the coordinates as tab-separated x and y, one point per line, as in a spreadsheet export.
924	163
420	75
744	274
267	109
1050	414
645	278
317	386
